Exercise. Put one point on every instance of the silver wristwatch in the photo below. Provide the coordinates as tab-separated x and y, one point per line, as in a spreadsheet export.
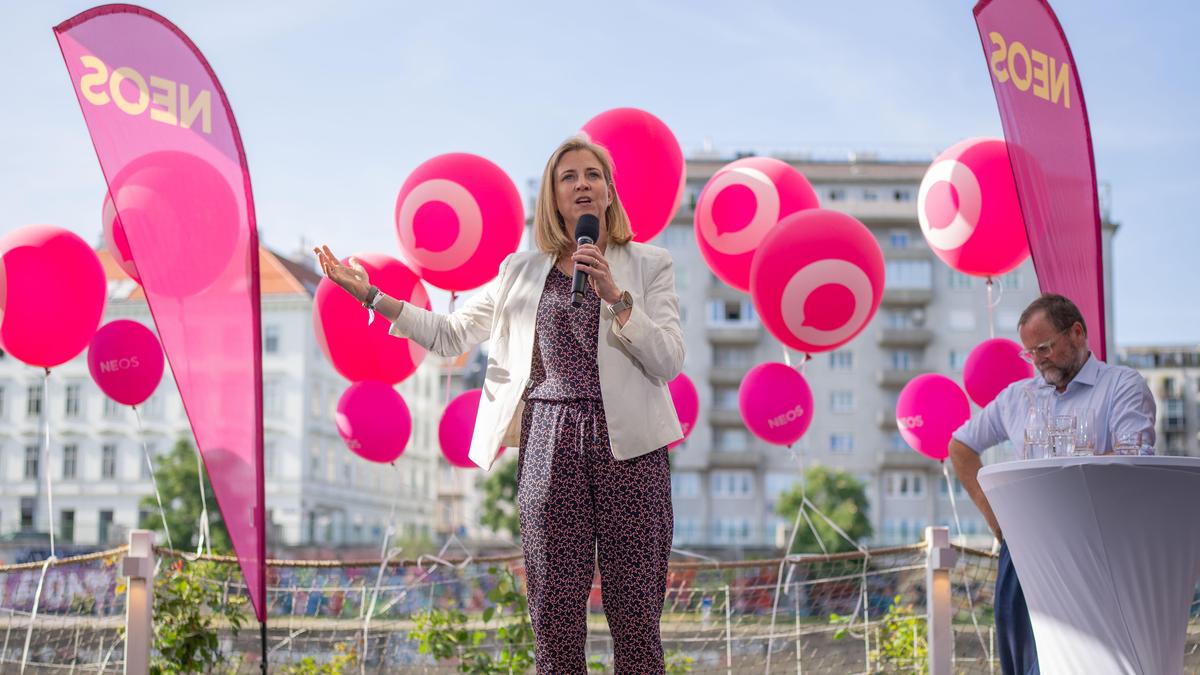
621	305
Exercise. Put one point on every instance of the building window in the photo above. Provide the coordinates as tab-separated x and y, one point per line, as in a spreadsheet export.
842	401
3	403
105	527
898	239
272	398
269	459
899	319
841	360
685	485
732	356
271	339
150	451
730	440
908	274
902	359
731	313
842	443
112	409
898	443
902	195
960	281
962	320
837	194
108	460
725	398
958	360
32	453
66	526
731	484
70	463
153	407
870	195
33	400
1011	281
28	504
776	484
906	485
72	408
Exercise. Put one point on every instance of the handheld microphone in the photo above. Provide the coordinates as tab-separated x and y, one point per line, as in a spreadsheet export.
587	231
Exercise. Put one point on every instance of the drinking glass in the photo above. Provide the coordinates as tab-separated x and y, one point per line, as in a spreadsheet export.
1085	432
1062	435
1128	443
1037	434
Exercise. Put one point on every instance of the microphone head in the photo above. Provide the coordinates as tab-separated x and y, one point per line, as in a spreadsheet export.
588	226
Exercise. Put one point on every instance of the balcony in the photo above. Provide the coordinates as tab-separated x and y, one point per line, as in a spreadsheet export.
904	337
749	458
734	333
907	297
725	417
727	375
892	378
903	459
886	419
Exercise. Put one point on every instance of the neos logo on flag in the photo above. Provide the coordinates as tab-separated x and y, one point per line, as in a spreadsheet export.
817	279
457	216
968	210
165	100
742	202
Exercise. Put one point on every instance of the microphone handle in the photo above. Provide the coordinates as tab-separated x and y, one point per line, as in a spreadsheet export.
580	278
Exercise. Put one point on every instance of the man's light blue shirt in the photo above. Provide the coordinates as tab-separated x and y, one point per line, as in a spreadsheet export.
1117	394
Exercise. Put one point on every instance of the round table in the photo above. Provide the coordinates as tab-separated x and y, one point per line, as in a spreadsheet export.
1108	552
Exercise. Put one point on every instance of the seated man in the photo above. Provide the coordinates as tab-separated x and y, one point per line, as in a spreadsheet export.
1053	333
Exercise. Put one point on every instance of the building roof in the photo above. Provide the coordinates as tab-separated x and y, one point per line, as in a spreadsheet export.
277	274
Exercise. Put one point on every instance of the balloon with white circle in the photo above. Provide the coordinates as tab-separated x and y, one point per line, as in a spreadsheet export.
367	352
817	279
738	207
968	209
458	216
776	403
648	166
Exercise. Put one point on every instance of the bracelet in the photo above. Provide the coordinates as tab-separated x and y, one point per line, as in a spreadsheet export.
374	304
372	293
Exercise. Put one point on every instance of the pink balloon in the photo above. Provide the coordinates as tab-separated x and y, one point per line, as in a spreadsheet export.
457	426
931	407
180	193
739	205
358	351
968	209
457	217
776	403
648	167
115	240
991	366
687	405
817	279
374	421
52	290
126	361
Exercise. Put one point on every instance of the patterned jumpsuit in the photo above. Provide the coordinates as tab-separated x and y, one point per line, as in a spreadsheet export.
579	505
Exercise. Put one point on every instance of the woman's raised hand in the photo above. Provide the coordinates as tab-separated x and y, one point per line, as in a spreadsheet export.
351	277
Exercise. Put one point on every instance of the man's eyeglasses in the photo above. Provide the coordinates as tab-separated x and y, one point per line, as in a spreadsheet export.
1041	351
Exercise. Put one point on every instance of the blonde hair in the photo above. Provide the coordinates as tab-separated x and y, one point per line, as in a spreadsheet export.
549	230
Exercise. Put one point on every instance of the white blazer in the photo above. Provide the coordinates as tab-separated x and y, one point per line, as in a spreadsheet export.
636	361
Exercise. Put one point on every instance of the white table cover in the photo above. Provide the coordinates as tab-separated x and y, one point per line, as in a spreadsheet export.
1108	553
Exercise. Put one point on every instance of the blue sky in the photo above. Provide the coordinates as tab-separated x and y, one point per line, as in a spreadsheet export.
338	102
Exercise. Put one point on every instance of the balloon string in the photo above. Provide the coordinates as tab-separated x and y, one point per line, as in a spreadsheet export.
205	541
46	456
962	540
153	479
450	370
787	357
991	306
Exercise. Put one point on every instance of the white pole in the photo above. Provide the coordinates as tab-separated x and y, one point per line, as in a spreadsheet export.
138	565
939	560
728	633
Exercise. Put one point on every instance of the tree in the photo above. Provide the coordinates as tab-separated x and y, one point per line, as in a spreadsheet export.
838	495
500	500
175	474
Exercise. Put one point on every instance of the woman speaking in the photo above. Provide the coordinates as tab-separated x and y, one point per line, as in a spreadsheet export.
578	381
